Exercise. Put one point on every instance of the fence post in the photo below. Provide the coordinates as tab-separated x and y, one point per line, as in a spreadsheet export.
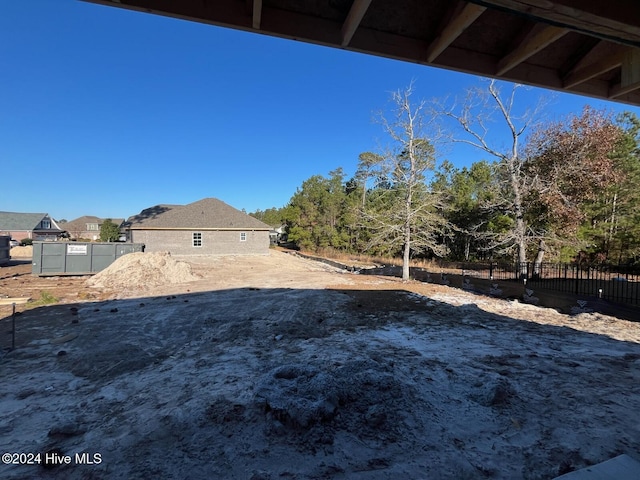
13	327
577	278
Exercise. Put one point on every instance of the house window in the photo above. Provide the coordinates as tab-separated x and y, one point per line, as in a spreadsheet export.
243	237
197	239
46	224
93	226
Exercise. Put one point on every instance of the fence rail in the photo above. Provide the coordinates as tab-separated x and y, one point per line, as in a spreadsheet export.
616	283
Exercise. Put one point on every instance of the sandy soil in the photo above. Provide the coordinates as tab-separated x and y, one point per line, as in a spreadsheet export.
276	367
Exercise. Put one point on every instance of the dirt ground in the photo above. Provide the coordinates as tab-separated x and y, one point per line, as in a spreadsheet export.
278	367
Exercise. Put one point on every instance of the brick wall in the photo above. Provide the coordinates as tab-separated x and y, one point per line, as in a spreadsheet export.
219	242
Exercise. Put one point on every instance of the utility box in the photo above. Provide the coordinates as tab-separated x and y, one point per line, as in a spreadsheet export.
5	249
77	258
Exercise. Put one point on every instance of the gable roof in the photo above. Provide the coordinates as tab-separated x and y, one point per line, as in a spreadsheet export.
148	214
80	223
14	221
208	213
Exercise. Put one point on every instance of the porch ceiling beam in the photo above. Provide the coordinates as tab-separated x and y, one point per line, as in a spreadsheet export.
592	70
355	16
464	17
615	20
630	75
257	14
538	39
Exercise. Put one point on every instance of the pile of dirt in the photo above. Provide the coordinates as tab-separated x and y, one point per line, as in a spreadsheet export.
141	271
22	252
313	404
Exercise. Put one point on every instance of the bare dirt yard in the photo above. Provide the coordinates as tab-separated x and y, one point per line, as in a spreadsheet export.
278	367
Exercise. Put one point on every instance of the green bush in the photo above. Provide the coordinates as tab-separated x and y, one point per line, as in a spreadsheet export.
25	242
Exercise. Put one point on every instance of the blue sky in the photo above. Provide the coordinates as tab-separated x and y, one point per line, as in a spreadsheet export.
105	111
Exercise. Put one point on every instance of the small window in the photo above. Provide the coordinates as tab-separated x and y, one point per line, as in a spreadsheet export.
243	237
197	239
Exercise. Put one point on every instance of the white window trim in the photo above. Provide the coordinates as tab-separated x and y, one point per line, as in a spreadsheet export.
199	239
243	236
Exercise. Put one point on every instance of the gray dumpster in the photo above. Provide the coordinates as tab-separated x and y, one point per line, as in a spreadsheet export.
5	249
77	258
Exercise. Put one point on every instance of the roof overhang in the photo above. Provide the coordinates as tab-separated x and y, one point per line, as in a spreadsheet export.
585	47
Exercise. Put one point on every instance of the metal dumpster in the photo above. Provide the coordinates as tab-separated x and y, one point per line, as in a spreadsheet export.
5	249
77	258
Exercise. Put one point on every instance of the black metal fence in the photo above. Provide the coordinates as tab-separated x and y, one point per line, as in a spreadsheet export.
616	283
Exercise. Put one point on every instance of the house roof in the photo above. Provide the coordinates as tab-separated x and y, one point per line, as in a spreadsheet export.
208	213
149	214
80	223
14	221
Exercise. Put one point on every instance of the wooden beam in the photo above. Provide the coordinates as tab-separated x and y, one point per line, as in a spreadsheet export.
458	24
581	55
615	20
257	14
630	75
618	90
593	70
540	37
358	9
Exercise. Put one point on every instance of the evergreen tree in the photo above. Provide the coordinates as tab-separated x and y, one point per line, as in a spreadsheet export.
109	231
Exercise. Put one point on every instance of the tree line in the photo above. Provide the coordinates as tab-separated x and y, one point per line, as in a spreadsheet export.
564	190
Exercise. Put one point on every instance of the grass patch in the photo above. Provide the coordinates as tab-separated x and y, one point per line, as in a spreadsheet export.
46	298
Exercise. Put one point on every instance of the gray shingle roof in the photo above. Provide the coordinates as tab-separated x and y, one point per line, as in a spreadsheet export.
13	221
208	213
80	223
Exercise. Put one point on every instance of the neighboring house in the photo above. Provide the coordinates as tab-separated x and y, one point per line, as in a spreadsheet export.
36	226
87	227
278	235
205	227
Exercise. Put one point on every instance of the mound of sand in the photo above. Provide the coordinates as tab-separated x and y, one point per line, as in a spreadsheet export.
22	252
142	270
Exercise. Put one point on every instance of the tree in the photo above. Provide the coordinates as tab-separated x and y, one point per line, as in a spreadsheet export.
467	191
571	165
271	216
611	227
405	215
315	213
109	231
474	116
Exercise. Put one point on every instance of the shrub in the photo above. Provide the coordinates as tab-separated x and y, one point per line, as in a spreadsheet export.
25	242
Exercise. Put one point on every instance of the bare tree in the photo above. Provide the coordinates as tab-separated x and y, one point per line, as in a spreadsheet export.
479	109
407	215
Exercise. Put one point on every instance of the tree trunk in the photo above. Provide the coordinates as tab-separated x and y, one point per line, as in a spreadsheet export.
520	232
612	227
537	264
405	262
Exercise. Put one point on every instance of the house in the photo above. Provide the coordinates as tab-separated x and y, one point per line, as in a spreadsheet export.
36	226
278	235
87	227
205	227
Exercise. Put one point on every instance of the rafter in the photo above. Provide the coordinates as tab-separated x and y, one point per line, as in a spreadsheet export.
612	20
358	9
458	24
592	70
257	14
538	39
630	75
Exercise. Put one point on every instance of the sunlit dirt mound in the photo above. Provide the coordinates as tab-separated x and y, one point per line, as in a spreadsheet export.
22	252
142	270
